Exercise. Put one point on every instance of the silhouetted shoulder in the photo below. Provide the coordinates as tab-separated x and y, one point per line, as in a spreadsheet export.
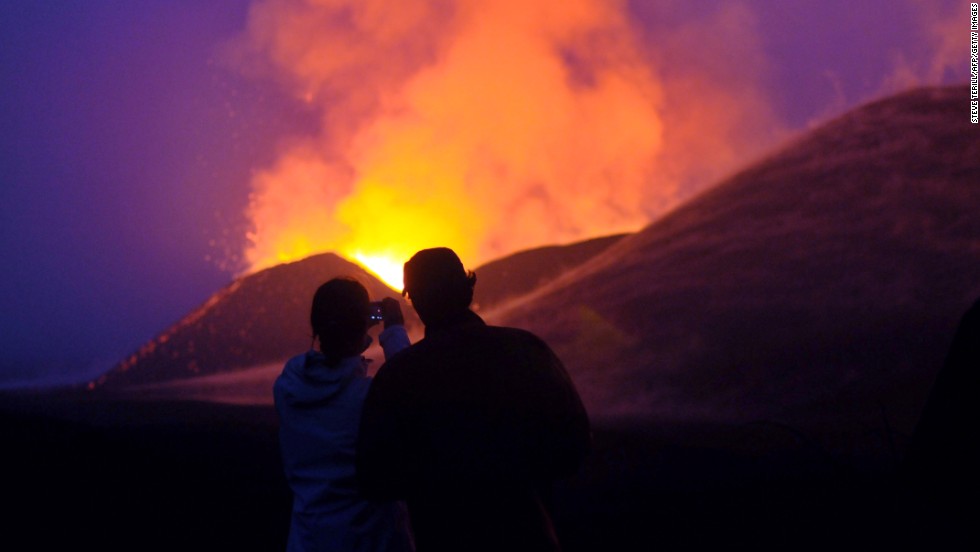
950	409
941	466
518	335
405	358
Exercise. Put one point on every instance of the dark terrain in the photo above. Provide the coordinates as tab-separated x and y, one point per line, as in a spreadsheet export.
111	474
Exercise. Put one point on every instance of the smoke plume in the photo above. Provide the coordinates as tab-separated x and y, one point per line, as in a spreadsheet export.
487	127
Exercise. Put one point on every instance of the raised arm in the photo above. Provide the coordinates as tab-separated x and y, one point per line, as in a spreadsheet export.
394	338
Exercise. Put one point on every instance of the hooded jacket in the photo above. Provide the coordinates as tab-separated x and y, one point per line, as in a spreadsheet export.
319	409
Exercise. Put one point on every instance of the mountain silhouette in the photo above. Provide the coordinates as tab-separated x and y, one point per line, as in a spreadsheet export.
259	318
522	272
264	317
821	284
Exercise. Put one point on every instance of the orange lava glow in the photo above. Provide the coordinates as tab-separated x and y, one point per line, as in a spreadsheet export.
487	127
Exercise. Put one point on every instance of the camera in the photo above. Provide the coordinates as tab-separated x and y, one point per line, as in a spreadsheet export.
376	311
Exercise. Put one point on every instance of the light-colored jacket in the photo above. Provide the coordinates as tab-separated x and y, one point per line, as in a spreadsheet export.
319	410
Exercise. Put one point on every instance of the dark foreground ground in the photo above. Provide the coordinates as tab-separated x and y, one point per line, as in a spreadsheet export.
116	475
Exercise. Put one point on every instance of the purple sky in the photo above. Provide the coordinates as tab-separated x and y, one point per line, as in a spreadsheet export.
127	146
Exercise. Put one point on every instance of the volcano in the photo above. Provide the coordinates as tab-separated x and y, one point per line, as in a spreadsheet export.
820	285
818	288
257	319
263	318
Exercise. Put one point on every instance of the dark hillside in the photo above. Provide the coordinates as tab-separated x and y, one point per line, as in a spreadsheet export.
820	286
260	318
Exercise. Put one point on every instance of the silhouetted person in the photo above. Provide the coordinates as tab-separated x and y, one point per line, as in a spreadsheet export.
472	424
319	398
942	467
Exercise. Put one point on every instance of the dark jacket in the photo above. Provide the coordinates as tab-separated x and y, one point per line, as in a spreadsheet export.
471	426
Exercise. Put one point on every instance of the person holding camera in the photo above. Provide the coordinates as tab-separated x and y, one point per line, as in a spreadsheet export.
319	397
472	425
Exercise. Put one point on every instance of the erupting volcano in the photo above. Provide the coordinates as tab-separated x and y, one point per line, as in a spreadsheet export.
485	127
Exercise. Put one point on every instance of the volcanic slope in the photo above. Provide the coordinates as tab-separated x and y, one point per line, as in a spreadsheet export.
515	275
818	287
260	318
263	318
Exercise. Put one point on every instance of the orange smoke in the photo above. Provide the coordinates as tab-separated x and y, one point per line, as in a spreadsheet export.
487	127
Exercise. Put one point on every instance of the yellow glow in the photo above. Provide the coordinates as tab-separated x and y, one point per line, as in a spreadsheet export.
387	225
440	149
389	269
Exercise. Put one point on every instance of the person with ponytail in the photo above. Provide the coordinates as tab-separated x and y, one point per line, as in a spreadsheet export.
319	397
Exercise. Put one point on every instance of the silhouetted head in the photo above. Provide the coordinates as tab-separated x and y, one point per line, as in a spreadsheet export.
339	318
438	285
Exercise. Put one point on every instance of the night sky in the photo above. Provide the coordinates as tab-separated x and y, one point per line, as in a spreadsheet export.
129	138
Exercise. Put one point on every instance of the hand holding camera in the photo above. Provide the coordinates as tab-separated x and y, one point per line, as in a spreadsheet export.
388	310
